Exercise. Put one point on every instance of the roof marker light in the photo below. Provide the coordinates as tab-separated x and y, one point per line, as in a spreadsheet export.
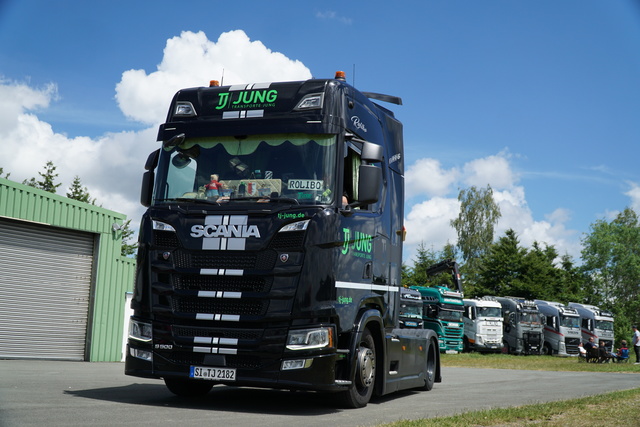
214	83
340	75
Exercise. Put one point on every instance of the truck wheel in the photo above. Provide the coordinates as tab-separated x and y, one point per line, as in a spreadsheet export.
188	388
359	393
546	350
430	368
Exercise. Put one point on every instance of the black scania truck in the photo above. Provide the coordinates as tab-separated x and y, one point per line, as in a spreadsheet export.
271	250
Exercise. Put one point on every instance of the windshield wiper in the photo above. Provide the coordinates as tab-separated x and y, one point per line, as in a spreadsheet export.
187	199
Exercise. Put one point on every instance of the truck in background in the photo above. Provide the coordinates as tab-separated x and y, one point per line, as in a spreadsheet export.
482	325
443	307
252	270
595	323
410	314
522	326
561	328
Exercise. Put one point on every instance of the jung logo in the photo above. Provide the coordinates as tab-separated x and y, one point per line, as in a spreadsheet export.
225	232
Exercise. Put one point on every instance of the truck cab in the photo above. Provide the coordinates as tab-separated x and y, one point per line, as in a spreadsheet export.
270	252
522	326
443	307
482	325
561	328
596	323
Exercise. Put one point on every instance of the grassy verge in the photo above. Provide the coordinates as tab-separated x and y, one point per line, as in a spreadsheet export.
533	363
611	408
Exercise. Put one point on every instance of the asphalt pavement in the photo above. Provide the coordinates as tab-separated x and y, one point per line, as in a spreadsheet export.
59	393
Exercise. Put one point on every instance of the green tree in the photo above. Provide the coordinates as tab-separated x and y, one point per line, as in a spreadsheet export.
127	249
611	264
2	171
500	271
47	179
474	225
80	193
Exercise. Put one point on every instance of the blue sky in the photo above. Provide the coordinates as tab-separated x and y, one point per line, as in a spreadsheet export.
540	99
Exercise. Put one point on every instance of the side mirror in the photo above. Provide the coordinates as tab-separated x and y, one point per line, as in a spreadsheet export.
146	191
371	152
369	184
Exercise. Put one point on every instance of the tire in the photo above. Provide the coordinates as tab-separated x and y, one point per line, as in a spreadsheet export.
546	350
466	346
188	388
361	390
430	368
505	348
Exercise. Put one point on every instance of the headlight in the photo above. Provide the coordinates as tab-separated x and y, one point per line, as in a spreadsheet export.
305	339
295	226
158	225
140	331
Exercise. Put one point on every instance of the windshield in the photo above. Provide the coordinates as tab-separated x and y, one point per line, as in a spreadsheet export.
451	316
408	310
528	317
570	321
300	168
489	312
604	325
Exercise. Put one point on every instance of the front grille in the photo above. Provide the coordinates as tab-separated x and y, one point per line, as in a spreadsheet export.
453	332
290	240
217	306
240	362
167	239
223	283
227	259
241	334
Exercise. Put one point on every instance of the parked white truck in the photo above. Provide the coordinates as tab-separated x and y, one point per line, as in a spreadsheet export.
482	325
595	323
561	328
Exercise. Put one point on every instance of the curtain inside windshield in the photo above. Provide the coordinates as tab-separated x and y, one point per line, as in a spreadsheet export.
294	166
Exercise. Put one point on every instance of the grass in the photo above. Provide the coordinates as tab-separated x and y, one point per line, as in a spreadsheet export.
597	410
532	363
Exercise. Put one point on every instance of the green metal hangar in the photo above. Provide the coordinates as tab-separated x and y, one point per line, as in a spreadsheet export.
62	279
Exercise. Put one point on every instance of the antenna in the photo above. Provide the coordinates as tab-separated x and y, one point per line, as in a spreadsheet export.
222	79
353	79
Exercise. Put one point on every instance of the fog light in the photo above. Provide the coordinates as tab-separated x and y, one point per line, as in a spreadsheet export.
141	354
288	365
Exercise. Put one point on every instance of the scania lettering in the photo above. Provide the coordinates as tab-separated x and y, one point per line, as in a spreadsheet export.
561	328
596	323
482	325
443	306
252	270
522	326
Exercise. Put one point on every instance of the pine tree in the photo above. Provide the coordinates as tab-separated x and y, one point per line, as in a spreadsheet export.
80	193
47	181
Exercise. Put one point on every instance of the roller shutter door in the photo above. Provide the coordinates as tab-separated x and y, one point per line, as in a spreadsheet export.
45	283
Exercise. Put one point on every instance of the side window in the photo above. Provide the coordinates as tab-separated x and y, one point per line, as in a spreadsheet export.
352	162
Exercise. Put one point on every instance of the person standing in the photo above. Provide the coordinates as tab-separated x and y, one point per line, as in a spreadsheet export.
636	344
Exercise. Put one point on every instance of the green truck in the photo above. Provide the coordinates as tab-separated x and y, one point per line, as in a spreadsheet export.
444	306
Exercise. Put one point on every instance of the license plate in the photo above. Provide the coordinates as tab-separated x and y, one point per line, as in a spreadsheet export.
212	374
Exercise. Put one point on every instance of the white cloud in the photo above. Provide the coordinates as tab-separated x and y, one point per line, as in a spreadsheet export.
111	166
333	16
494	170
428	222
634	195
192	60
426	176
